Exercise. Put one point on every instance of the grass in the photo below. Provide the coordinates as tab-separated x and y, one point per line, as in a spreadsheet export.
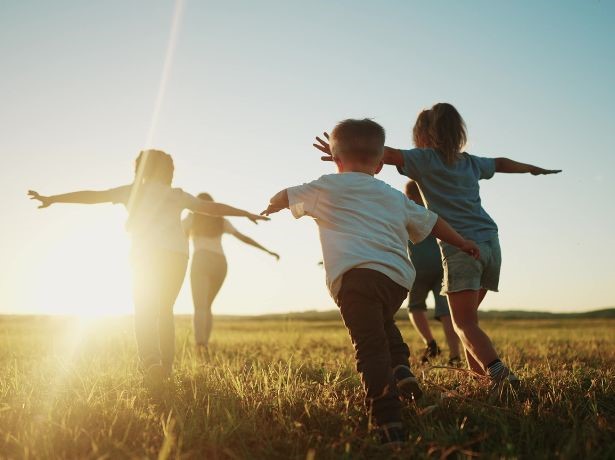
280	389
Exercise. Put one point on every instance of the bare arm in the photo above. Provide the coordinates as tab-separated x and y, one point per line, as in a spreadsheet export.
391	156
80	197
218	209
277	202
444	232
246	239
506	165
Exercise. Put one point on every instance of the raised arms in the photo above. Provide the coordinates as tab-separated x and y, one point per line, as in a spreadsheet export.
218	209
506	165
246	239
80	197
277	202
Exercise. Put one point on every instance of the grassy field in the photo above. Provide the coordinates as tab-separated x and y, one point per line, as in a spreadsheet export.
279	388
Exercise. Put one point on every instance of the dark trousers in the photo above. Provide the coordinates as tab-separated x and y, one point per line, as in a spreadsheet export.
368	301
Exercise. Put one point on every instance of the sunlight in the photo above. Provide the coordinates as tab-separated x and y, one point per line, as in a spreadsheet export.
166	69
84	271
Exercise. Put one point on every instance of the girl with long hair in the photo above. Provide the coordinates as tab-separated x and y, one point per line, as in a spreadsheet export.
159	252
209	266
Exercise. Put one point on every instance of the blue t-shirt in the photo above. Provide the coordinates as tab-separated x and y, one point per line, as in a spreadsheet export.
425	257
452	191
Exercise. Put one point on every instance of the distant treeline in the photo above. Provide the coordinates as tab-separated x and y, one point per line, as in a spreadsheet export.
328	315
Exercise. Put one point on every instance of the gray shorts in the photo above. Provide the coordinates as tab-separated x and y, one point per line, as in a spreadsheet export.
463	273
420	290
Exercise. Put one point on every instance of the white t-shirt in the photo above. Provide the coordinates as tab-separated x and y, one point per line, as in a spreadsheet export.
155	222
207	243
363	223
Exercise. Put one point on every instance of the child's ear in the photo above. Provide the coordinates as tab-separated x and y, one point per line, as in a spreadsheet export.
380	166
340	165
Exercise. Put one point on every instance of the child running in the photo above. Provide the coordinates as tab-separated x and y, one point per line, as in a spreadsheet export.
449	179
159	253
364	226
208	268
425	257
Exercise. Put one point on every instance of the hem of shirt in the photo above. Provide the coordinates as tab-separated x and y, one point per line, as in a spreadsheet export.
336	284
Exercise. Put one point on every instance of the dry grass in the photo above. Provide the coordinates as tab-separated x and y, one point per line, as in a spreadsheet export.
287	389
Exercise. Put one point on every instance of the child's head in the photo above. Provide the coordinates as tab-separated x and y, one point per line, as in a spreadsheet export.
204	225
358	145
413	192
447	131
154	166
420	132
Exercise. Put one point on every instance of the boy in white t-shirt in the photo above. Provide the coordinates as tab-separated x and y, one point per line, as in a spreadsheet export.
364	226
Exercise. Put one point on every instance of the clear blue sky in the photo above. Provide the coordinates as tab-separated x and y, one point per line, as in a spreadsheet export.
251	83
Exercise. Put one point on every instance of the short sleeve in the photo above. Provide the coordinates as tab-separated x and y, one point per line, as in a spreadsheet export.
486	166
303	199
414	163
228	228
420	221
119	195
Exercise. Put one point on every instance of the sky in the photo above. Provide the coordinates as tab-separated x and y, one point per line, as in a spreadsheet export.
236	91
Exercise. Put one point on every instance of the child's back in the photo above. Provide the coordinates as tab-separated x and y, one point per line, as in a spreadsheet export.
452	190
363	223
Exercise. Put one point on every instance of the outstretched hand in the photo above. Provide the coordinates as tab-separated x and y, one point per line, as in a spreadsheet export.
324	147
536	171
45	200
275	254
255	218
271	209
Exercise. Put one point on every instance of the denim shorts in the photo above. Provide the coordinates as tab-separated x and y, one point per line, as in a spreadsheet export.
421	288
464	273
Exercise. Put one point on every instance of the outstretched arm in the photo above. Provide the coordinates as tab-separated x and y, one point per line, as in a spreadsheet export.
277	202
218	209
391	156
444	232
81	197
246	239
506	165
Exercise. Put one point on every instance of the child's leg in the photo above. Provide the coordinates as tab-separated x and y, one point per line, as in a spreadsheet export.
464	307
170	285
361	307
207	276
421	324
451	336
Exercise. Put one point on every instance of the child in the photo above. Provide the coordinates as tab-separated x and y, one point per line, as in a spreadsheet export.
364	226
425	257
448	179
208	268
159	250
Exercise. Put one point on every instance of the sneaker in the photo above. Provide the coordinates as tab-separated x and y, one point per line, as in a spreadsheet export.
505	384
455	361
407	384
431	351
392	435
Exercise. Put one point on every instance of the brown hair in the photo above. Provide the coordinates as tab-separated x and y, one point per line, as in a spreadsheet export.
358	139
447	131
154	165
413	192
204	225
150	166
420	132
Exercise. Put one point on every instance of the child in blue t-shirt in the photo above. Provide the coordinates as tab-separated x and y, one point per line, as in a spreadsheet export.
448	179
